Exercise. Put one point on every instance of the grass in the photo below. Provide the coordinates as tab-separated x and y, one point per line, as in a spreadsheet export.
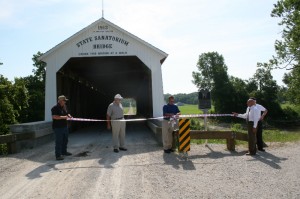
280	136
189	109
126	110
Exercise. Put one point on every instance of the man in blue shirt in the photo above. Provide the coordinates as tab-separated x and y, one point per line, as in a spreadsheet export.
170	110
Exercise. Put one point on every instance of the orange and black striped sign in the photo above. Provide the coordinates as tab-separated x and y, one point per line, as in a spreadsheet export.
184	135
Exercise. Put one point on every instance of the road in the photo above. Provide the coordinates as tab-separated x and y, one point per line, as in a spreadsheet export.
144	171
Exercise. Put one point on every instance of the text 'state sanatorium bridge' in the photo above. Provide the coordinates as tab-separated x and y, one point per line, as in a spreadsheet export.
98	62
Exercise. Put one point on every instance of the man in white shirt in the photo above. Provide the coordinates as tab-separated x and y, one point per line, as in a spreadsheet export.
252	117
260	143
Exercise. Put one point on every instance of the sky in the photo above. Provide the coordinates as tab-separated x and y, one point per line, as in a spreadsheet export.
241	30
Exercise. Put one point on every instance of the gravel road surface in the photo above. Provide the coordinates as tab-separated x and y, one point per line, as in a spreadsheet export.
144	171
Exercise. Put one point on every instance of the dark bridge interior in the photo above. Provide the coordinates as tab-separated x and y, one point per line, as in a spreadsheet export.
92	82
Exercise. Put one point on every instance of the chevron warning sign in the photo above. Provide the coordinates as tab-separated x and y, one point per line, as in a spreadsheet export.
184	135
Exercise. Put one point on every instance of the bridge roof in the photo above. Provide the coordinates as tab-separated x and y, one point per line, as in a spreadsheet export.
102	20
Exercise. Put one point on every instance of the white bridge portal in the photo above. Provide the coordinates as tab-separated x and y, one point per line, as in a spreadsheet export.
98	62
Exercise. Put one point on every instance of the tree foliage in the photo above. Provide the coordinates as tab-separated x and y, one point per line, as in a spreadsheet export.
266	92
288	48
191	98
24	99
212	75
13	99
35	85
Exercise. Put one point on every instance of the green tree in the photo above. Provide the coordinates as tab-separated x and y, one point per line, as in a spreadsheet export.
241	93
7	112
40	67
282	94
267	92
35	85
292	80
288	48
212	75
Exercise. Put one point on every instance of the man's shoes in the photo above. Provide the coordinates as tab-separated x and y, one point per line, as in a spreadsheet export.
262	150
116	150
123	149
59	158
167	151
67	154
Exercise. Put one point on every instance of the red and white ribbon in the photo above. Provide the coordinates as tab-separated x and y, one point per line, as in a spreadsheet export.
154	118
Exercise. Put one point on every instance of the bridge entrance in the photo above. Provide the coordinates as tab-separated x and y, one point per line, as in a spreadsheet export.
91	84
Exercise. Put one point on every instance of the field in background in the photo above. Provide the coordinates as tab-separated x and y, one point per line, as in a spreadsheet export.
129	110
189	109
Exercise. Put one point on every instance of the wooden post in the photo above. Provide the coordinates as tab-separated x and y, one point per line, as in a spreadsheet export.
230	144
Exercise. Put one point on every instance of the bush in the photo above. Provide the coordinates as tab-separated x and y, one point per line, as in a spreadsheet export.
290	114
196	125
3	149
236	127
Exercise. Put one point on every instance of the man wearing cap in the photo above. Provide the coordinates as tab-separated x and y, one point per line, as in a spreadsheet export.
264	111
116	122
170	110
60	115
252	117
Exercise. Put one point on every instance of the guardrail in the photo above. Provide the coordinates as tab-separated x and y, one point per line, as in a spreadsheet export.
11	140
230	136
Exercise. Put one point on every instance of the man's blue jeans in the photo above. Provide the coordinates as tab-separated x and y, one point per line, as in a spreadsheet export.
61	141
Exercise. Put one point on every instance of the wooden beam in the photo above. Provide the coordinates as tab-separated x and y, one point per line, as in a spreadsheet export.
241	136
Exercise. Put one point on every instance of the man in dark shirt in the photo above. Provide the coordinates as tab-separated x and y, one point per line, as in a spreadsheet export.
169	110
60	126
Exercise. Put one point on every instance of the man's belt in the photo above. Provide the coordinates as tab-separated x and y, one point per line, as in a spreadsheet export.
120	118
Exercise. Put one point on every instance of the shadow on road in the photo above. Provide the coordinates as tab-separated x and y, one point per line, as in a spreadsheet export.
176	160
269	159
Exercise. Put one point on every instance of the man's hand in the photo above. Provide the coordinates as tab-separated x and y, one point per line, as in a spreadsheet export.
235	114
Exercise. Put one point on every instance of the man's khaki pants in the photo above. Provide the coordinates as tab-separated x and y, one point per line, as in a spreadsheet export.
167	133
118	133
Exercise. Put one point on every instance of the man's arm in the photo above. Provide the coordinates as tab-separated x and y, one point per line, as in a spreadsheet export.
59	117
244	116
264	114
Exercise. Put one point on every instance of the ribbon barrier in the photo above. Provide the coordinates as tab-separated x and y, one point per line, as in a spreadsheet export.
97	120
204	115
154	118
